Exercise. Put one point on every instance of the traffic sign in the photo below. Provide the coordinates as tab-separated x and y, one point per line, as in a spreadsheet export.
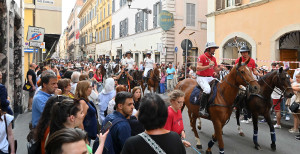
37	44
35	34
176	49
43	44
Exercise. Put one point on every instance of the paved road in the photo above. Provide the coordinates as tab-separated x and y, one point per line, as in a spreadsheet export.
234	144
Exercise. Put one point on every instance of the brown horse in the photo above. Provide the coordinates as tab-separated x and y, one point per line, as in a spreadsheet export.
261	103
153	81
222	107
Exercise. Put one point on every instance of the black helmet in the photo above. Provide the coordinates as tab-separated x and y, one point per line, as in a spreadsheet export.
244	48
128	52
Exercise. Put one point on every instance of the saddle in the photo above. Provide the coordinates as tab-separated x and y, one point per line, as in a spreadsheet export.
197	92
149	73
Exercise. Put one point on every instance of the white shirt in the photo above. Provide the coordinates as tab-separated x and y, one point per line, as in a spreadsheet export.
149	63
129	62
3	141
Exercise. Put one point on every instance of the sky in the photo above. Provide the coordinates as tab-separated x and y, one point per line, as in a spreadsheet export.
67	6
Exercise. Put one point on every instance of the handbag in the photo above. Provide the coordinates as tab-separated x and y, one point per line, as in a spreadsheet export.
27	86
152	143
294	107
16	143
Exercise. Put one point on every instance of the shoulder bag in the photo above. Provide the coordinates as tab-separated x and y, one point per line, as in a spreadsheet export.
27	86
152	143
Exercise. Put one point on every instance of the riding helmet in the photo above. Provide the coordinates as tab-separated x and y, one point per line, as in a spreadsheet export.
211	45
244	48
128	52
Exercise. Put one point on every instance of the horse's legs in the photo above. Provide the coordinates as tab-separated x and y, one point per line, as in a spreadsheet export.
272	131
199	123
237	116
255	131
193	120
211	144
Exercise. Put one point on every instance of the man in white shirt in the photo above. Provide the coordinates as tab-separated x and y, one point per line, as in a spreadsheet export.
128	61
148	63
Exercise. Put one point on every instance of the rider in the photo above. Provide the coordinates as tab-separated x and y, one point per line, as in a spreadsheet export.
206	66
117	60
128	61
148	63
107	59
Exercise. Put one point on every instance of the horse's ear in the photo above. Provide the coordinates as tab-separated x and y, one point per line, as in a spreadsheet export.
247	61
240	61
280	69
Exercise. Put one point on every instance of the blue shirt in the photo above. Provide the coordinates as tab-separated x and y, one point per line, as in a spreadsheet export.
90	121
171	76
120	132
38	105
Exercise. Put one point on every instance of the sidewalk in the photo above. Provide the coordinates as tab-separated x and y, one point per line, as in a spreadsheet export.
21	130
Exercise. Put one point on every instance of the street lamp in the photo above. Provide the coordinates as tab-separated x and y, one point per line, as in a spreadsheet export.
147	11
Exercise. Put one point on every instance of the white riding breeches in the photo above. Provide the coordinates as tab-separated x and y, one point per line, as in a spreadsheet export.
146	71
204	83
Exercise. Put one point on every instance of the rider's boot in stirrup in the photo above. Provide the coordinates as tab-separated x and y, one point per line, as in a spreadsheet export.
202	110
145	81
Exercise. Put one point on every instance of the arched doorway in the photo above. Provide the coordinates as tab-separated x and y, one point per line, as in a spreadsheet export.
230	48
289	48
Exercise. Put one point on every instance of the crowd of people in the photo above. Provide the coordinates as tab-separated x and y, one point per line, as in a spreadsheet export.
71	103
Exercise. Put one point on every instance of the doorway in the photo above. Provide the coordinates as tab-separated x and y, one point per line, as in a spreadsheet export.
289	55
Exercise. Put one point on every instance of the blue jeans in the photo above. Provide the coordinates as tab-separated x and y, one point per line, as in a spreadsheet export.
162	88
283	107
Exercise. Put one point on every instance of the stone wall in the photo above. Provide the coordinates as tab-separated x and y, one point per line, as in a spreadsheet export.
11	42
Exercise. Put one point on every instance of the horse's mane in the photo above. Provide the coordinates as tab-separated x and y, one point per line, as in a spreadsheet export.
267	75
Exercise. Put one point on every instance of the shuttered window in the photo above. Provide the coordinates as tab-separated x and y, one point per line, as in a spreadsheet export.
238	2
190	14
113	32
100	36
157	7
113	6
107	33
108	9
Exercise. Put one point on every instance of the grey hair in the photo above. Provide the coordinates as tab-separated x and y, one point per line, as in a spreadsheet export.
75	77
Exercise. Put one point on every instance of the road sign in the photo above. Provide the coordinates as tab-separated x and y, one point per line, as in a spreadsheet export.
37	44
43	44
176	49
189	44
35	34
43	50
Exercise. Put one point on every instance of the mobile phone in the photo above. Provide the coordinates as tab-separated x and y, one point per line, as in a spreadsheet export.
106	127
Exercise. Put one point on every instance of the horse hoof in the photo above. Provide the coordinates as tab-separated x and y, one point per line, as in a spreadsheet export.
242	134
199	146
199	127
208	152
257	147
273	147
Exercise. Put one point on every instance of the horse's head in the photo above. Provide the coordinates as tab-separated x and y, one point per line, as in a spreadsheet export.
282	81
244	76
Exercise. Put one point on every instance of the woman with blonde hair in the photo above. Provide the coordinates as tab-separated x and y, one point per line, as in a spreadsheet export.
83	90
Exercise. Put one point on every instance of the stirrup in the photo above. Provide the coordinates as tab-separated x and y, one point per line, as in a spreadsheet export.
203	113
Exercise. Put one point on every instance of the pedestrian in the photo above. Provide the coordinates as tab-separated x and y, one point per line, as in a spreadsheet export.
75	80
90	123
153	114
65	86
106	95
31	78
206	66
112	102
124	77
4	99
296	99
121	130
6	133
42	130
170	77
182	75
136	92
192	73
162	81
49	86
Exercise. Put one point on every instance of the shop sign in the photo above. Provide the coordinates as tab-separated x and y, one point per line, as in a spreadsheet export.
166	20
46	1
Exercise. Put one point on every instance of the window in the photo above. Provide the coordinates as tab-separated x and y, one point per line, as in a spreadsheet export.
100	36
107	33
124	27
103	34
190	14
122	3
141	22
156	11
108	9
113	6
113	32
229	3
100	15
104	13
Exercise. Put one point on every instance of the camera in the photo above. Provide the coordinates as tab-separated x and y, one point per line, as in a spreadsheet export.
126	70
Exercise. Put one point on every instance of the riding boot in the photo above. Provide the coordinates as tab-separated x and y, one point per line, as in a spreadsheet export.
203	103
145	81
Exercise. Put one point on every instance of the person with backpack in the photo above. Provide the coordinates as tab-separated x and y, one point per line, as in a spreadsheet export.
120	130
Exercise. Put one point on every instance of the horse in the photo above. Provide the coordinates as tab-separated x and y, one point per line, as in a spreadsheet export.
261	103
153	81
137	78
222	107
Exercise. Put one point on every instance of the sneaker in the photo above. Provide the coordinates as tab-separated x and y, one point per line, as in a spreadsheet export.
277	126
293	130
250	119
262	121
297	137
287	118
245	121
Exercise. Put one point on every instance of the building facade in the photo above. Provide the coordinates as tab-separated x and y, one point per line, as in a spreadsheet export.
11	52
63	45
74	31
270	28
88	23
103	29
44	14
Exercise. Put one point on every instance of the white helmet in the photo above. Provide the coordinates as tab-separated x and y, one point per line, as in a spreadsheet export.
211	45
